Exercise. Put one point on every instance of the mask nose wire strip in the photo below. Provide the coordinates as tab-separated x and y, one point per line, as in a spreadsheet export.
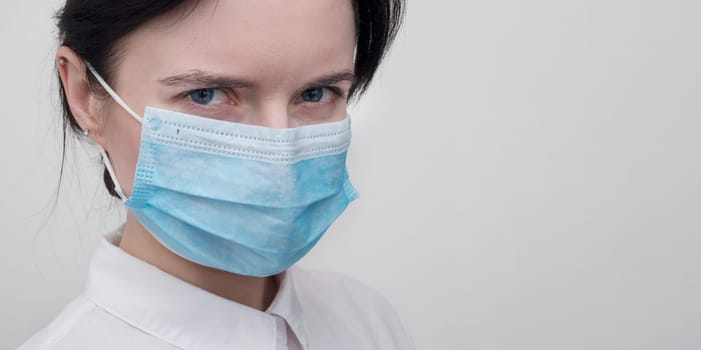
113	93
120	102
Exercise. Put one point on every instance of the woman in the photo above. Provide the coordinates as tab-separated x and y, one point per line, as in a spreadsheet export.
223	128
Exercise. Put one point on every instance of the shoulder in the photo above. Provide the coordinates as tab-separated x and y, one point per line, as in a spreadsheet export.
56	331
335	303
83	325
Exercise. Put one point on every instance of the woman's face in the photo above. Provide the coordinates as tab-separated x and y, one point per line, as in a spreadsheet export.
272	63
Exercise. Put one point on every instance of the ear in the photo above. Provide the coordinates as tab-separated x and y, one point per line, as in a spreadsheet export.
84	105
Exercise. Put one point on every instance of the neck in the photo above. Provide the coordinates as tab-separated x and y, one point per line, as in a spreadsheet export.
255	292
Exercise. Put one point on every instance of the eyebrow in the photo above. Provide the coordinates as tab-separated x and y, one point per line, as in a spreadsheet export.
334	78
201	78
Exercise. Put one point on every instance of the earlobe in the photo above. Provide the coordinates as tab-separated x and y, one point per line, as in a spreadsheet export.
81	101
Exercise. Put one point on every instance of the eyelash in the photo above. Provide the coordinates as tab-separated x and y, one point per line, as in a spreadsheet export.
336	91
185	96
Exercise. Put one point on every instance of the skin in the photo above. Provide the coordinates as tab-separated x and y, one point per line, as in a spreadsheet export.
268	58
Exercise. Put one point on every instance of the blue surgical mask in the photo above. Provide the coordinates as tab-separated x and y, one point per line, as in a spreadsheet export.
246	199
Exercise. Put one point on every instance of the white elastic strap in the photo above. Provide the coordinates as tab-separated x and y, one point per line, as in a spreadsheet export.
105	158
113	93
110	170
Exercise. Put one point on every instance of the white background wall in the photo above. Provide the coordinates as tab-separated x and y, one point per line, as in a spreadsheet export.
529	177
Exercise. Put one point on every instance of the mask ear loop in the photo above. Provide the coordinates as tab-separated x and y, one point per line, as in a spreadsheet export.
113	94
110	170
121	103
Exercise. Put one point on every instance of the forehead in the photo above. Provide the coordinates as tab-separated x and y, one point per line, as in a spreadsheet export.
264	39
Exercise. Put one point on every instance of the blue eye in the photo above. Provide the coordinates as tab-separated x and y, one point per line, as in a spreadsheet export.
313	95
202	96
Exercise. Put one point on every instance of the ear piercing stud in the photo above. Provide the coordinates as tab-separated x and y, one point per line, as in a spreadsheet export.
62	61
85	132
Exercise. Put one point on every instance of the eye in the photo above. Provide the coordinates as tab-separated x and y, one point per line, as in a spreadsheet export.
318	95
206	96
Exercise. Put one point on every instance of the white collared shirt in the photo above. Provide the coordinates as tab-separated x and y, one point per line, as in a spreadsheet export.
130	304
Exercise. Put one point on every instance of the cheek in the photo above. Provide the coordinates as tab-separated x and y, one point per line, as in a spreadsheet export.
122	138
339	112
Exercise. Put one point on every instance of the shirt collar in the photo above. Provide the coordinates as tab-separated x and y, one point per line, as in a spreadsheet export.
183	314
